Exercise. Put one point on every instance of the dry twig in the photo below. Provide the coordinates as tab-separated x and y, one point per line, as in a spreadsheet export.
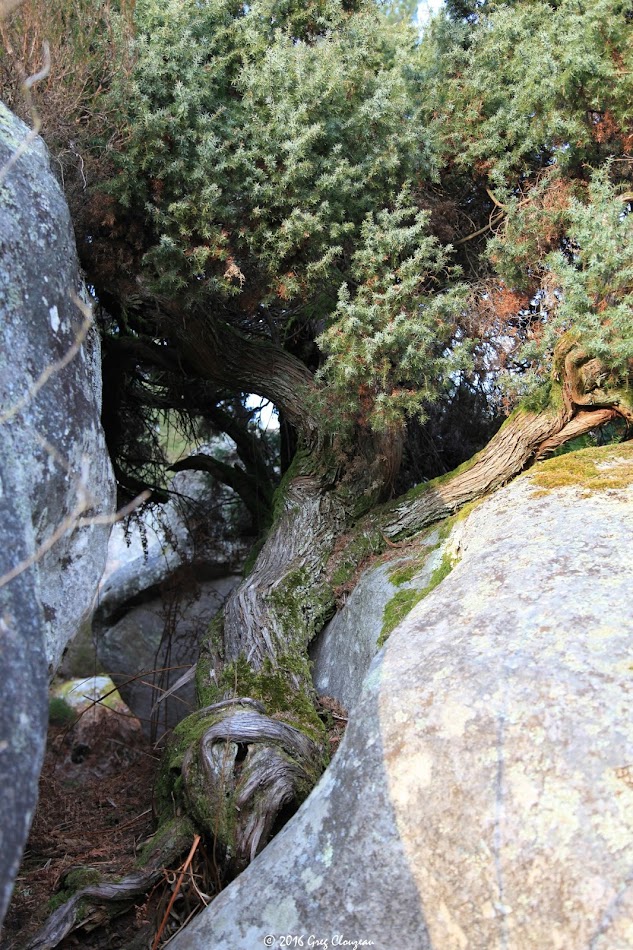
172	900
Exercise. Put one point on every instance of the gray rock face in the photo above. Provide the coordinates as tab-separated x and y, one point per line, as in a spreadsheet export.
23	696
192	528
161	639
483	794
341	654
165	581
57	430
52	457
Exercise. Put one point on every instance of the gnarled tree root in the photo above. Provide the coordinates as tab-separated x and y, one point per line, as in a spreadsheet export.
246	775
98	903
242	779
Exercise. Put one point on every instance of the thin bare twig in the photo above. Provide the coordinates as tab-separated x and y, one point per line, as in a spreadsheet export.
205	898
172	900
43	72
72	520
37	121
493	220
192	913
181	681
496	200
117	516
43	548
132	679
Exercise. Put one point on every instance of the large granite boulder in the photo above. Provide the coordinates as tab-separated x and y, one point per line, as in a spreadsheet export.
150	648
483	793
166	578
23	696
342	652
52	424
54	467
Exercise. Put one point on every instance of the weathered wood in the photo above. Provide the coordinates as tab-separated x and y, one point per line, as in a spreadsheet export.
257	615
245	770
581	424
524	438
288	595
227	358
508	452
268	623
97	903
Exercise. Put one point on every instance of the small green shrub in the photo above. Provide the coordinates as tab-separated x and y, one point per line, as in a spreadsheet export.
60	713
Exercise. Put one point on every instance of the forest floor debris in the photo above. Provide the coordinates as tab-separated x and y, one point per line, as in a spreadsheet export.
95	814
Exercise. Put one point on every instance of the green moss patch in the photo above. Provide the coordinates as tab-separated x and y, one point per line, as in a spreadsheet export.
74	881
79	878
423	487
397	609
548	395
405	572
404	601
60	713
174	834
356	553
211	649
595	469
272	687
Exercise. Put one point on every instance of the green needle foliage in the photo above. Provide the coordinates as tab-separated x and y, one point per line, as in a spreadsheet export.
531	82
383	206
271	151
532	103
595	280
389	344
258	140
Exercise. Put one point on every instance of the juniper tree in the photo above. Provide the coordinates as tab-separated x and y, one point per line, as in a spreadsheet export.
308	202
284	161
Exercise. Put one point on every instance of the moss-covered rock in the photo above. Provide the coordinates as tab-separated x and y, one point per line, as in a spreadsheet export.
590	469
405	600
509	683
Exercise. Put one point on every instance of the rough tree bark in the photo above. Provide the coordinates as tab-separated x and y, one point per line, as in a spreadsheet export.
242	764
260	647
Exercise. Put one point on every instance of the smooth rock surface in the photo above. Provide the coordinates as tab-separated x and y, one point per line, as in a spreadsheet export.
105	733
51	449
85	692
192	528
57	431
483	794
165	580
342	652
152	645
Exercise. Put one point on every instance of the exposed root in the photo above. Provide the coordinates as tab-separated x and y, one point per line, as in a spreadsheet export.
96	904
241	780
245	776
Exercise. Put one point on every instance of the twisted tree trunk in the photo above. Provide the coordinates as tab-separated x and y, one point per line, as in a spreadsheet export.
259	649
242	764
256	748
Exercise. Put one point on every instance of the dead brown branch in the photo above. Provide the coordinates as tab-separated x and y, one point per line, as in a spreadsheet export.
172	900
